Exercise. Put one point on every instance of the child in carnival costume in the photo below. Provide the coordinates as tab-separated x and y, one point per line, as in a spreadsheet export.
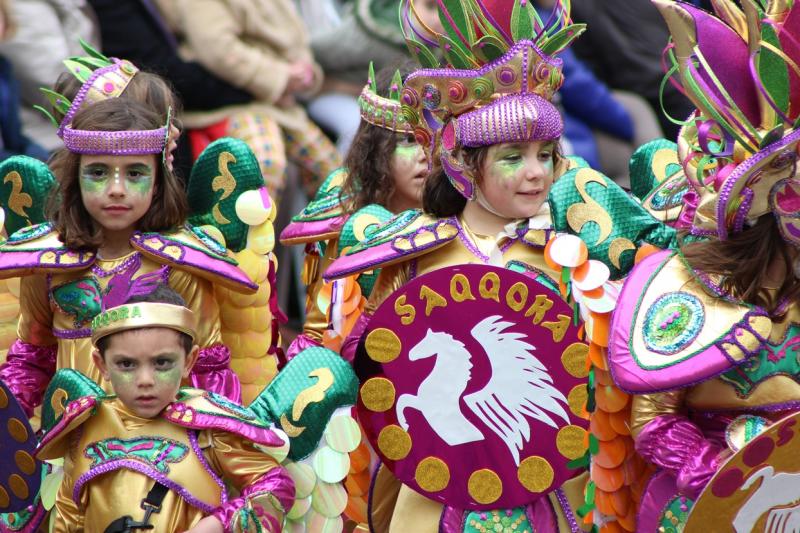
126	81
115	229
384	173
699	334
113	479
492	133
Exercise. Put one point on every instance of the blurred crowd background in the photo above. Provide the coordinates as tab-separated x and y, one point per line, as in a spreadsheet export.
284	75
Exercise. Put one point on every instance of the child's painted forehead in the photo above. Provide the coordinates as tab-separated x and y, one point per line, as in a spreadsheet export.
120	161
144	343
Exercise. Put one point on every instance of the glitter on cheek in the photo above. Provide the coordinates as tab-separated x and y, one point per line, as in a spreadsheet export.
407	152
140	186
93	186
171	376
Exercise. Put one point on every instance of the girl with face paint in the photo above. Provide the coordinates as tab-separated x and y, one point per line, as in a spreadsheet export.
116	228
491	136
384	174
385	170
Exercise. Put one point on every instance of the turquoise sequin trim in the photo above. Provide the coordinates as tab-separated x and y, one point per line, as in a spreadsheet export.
672	322
30	233
507	521
208	240
673	519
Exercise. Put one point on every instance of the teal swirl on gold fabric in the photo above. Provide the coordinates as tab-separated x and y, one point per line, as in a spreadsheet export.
304	395
226	169
25	184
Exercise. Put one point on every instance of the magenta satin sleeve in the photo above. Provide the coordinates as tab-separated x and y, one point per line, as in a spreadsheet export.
350	344
677	445
212	372
27	372
273	490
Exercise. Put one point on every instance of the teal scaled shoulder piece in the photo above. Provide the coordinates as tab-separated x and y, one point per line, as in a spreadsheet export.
407	235
658	179
358	227
195	251
66	386
332	184
611	223
322	219
304	396
222	181
37	249
25	185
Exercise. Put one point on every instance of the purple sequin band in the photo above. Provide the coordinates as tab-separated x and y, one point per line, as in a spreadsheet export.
201	456
142	469
567	510
512	118
140	142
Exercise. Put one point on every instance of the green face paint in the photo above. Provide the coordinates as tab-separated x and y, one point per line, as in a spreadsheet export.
407	152
137	178
95	178
169	376
140	185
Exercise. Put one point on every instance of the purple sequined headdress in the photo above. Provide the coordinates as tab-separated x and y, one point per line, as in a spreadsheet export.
739	149
101	78
497	82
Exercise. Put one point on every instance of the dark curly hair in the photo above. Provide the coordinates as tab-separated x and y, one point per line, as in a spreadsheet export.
369	179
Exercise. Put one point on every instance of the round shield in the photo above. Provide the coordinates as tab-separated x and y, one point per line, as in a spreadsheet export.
20	472
758	489
472	387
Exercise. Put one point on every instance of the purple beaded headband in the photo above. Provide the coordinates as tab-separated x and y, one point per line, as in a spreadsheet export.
514	117
140	142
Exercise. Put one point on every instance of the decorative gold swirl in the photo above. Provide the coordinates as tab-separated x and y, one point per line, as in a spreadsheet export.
224	182
589	211
313	394
661	159
482	88
618	246
362	223
18	200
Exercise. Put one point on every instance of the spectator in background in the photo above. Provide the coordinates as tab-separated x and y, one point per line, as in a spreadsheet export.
345	37
135	30
48	31
622	46
12	140
260	46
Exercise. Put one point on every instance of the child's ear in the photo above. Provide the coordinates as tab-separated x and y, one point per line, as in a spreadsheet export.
191	359
101	364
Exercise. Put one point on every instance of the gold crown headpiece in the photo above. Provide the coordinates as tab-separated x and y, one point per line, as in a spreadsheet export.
383	111
143	315
500	75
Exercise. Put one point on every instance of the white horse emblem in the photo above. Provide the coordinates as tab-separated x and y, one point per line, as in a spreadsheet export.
519	388
778	495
